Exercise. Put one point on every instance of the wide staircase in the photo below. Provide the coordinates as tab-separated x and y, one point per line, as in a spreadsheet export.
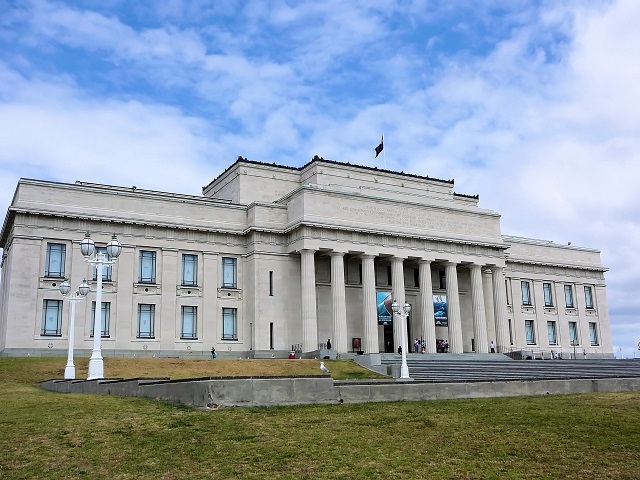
497	367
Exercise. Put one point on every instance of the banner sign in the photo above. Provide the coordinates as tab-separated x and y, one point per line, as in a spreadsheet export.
385	314
440	310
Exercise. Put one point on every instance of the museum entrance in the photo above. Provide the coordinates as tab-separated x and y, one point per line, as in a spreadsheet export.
388	338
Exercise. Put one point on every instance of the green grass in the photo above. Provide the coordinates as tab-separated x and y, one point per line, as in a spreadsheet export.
62	436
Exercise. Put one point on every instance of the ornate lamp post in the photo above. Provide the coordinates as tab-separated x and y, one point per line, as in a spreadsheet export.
88	248
73	298
403	313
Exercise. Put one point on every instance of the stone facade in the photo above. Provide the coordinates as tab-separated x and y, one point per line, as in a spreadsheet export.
272	257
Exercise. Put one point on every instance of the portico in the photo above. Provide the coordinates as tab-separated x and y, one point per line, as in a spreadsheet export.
411	280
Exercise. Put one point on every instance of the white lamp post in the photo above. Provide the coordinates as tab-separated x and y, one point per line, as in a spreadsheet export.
403	313
87	247
73	298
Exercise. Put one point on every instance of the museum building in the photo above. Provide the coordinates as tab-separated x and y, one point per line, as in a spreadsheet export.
272	258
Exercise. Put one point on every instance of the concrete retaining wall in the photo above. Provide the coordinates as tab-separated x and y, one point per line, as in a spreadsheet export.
253	392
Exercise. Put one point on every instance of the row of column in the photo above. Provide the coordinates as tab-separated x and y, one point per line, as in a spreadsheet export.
370	317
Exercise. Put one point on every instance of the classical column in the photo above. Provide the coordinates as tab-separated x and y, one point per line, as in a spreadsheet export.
500	309
426	306
453	308
308	291
397	293
369	307
477	302
339	341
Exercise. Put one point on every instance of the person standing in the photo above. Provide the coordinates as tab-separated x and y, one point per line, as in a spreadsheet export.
328	344
416	346
492	346
213	353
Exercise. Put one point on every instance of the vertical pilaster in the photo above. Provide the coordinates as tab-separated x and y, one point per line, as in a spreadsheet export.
369	311
397	289
453	308
338	301
308	292
477	302
500	309
426	306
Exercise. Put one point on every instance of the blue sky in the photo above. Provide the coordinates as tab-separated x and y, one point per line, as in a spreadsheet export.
533	105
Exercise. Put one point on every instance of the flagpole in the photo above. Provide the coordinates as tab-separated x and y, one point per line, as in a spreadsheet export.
384	153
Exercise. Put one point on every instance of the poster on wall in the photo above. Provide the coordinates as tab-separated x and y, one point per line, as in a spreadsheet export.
385	314
440	310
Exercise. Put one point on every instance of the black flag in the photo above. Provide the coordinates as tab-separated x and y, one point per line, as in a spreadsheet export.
380	147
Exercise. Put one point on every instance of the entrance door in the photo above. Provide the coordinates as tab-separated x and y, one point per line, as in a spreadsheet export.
388	339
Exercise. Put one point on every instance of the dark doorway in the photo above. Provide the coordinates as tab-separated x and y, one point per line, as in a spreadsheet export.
388	339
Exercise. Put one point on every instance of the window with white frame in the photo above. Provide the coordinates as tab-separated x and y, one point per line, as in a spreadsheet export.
593	333
552	332
526	292
573	333
229	324
147	267
146	320
51	318
548	294
229	272
189	270
568	296
106	269
54	263
189	328
507	283
588	297
105	319
529	332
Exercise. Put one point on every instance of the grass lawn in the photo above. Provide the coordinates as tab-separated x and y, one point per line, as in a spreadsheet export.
62	436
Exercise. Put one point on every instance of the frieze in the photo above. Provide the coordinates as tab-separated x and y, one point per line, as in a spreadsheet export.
414	218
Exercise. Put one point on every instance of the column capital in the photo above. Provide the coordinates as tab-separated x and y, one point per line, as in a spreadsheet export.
366	256
333	253
450	263
397	259
307	251
424	261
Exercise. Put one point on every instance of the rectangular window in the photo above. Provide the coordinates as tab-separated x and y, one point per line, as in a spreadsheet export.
568	296
54	264
51	318
189	323
593	333
146	320
229	272
573	333
105	319
510	333
530	334
551	329
229	324
416	277
389	276
588	298
548	295
507	291
360	274
106	269
189	270
443	280
270	283
526	293
147	267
